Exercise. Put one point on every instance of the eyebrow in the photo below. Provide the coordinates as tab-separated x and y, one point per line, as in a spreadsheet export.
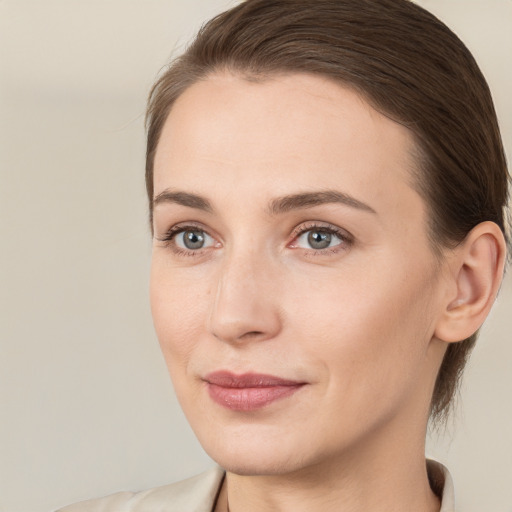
277	206
310	199
184	199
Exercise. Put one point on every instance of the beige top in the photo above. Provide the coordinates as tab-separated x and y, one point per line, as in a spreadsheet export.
198	494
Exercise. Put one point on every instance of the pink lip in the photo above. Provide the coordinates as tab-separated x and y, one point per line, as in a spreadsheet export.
249	391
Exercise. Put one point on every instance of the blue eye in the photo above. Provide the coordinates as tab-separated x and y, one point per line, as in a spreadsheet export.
192	239
318	239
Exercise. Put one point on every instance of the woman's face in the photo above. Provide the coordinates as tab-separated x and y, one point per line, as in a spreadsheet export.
293	288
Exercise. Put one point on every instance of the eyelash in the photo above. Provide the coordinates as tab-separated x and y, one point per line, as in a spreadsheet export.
346	240
168	239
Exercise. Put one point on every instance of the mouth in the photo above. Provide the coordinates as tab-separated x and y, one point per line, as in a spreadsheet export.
250	391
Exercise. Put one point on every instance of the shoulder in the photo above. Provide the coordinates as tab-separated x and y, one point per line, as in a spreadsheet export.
196	494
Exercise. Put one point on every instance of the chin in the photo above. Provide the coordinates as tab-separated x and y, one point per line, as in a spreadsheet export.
253	464
254	453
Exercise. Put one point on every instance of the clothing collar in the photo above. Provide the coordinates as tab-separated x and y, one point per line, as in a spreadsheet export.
442	484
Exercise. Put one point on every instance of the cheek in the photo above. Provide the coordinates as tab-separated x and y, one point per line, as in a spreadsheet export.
370	329
178	307
351	306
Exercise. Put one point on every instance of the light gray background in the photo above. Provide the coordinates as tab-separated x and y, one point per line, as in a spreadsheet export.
86	406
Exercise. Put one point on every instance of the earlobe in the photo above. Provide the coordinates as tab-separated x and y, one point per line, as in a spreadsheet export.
476	274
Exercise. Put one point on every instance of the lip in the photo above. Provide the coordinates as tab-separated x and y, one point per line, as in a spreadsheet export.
249	391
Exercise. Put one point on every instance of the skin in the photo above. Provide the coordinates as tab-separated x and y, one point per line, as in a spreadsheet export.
358	322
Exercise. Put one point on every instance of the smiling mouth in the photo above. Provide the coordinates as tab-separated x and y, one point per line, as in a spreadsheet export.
249	391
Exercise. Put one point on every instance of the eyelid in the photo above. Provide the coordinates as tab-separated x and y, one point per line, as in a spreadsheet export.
347	240
178	228
169	236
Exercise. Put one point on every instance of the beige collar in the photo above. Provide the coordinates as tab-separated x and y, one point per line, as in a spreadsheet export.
442	484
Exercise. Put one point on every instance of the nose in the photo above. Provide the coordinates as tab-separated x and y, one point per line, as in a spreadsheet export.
245	306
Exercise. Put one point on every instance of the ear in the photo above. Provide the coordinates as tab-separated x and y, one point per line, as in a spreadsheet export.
476	271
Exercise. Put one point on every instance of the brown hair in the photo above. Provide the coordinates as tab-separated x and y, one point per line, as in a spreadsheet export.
408	65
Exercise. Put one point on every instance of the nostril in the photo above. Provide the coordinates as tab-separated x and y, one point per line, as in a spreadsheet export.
252	334
246	336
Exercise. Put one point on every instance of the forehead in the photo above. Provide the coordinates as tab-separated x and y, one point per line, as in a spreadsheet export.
292	131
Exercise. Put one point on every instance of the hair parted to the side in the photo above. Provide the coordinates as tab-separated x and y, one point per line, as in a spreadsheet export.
408	65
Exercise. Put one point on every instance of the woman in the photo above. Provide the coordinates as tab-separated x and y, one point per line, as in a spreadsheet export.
327	188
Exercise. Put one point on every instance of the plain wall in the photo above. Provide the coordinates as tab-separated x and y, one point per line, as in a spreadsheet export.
85	401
